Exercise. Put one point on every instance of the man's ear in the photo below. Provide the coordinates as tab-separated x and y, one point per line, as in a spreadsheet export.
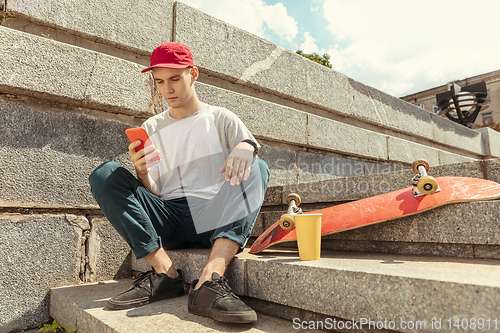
194	73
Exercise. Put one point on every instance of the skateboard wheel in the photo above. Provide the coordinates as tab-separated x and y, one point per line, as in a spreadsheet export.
293	196
287	222
427	185
415	164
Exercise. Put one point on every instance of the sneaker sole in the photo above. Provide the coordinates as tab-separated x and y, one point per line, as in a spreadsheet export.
117	305
122	305
236	317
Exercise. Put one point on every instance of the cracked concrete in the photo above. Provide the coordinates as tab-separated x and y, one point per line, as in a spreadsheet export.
42	251
89	81
108	254
86	265
39	251
103	253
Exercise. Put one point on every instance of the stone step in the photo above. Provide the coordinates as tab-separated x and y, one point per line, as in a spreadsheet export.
466	230
361	287
84	307
382	179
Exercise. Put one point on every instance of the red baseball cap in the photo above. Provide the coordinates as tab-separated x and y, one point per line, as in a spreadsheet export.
170	55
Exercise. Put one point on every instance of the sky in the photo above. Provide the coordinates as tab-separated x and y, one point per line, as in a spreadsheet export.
397	46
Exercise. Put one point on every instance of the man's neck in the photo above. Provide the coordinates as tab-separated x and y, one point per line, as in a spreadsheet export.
186	110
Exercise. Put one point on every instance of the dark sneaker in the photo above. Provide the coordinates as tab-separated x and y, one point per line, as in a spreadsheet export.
216	300
149	287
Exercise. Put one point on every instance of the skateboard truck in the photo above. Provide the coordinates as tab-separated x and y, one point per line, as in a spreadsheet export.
422	183
287	221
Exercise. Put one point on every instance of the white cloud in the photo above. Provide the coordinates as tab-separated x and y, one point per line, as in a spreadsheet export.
314	9
277	20
251	15
309	44
403	47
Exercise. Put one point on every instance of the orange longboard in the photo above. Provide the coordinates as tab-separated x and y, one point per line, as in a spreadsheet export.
385	207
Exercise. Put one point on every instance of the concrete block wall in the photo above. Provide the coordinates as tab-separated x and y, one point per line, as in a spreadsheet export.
71	84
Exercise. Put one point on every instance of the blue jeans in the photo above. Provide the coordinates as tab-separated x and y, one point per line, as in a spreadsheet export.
147	222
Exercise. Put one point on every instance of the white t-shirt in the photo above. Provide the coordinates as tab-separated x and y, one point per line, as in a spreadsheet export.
194	149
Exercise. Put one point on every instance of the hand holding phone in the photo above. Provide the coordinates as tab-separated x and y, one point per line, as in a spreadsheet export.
140	134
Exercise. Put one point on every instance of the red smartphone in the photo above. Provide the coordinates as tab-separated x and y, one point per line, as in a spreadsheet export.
139	133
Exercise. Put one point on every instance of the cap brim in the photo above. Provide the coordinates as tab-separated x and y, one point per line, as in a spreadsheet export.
173	66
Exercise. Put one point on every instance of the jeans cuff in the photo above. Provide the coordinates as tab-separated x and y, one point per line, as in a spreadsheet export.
148	248
240	240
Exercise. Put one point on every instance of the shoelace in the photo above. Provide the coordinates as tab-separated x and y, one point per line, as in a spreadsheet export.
222	282
143	277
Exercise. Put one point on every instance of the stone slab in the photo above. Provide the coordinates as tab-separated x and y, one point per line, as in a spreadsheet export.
427	126
404	248
52	153
491	141
472	169
264	119
271	217
419	249
451	158
316	167
487	251
27	59
407	151
70	38
491	169
258	227
118	85
449	133
209	46
351	188
256	62
38	252
273	196
109	255
113	22
376	286
262	65
140	265
85	305
345	138
282	163
461	223
441	229
383	167
76	76
135	94
386	179
376	107
295	77
258	69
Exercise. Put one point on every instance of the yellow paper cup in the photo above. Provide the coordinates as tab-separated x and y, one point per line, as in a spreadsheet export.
308	228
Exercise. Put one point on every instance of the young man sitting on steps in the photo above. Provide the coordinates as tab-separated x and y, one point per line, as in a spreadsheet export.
199	185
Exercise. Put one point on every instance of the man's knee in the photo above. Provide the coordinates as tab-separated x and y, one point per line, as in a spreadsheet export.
102	172
263	166
264	171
